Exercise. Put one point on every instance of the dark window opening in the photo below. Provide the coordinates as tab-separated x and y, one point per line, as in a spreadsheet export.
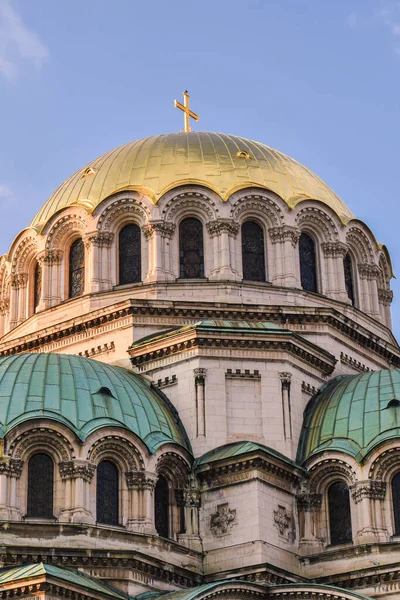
106	392
107	493
308	265
76	269
40	486
37	290
130	255
191	249
396	502
348	278
339	513
161	507
393	403
253	252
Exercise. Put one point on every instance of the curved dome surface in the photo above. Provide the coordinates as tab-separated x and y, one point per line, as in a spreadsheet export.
352	414
85	395
157	164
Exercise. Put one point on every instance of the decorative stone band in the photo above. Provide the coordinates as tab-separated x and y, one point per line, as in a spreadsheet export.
309	389
11	466
99	239
164	228
385	296
141	480
334	249
52	257
373	489
356	364
308	502
75	469
283	233
368	271
219	225
19	280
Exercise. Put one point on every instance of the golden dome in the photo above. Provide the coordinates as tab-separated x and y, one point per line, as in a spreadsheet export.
223	163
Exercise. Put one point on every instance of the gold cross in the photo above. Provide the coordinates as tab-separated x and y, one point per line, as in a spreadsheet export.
187	113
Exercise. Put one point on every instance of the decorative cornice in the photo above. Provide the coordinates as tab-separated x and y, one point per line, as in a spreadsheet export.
309	389
223	225
352	362
245	374
76	469
376	490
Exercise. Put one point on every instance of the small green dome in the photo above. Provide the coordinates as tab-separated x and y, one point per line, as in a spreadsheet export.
85	395
352	414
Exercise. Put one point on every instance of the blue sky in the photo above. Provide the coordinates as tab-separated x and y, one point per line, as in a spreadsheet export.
316	79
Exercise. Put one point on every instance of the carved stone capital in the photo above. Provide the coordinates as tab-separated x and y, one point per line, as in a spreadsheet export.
11	466
164	228
219	225
368	271
373	489
334	249
77	469
309	502
385	296
19	280
192	493
141	480
285	380
5	305
51	257
99	239
199	376
279	235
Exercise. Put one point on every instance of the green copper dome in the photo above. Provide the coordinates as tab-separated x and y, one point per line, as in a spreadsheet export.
352	414
85	395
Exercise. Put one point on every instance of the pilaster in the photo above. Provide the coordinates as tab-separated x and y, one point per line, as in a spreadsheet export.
368	497
51	278
284	240
141	486
159	233
223	233
98	245
77	475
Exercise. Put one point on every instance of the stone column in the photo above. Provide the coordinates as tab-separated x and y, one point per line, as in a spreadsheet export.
222	230
369	275
309	508
10	471
51	280
157	233
334	253
385	300
368	497
77	474
18	299
141	486
200	388
286	405
191	500
98	245
285	239
5	313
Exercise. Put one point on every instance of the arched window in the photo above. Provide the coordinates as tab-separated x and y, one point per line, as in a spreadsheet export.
348	277
107	493
253	252
396	502
40	486
76	268
130	255
37	285
339	513
308	265
161	507
191	250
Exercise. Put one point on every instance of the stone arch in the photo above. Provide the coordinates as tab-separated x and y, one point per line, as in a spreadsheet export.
256	205
24	251
64	229
326	471
360	244
385	271
173	470
121	209
385	464
317	222
177	205
43	439
118	449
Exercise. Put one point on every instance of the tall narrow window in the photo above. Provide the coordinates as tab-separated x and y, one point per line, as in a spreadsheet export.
161	507
107	493
396	502
339	513
253	252
37	289
76	268
40	486
130	256
348	277
191	250
308	265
